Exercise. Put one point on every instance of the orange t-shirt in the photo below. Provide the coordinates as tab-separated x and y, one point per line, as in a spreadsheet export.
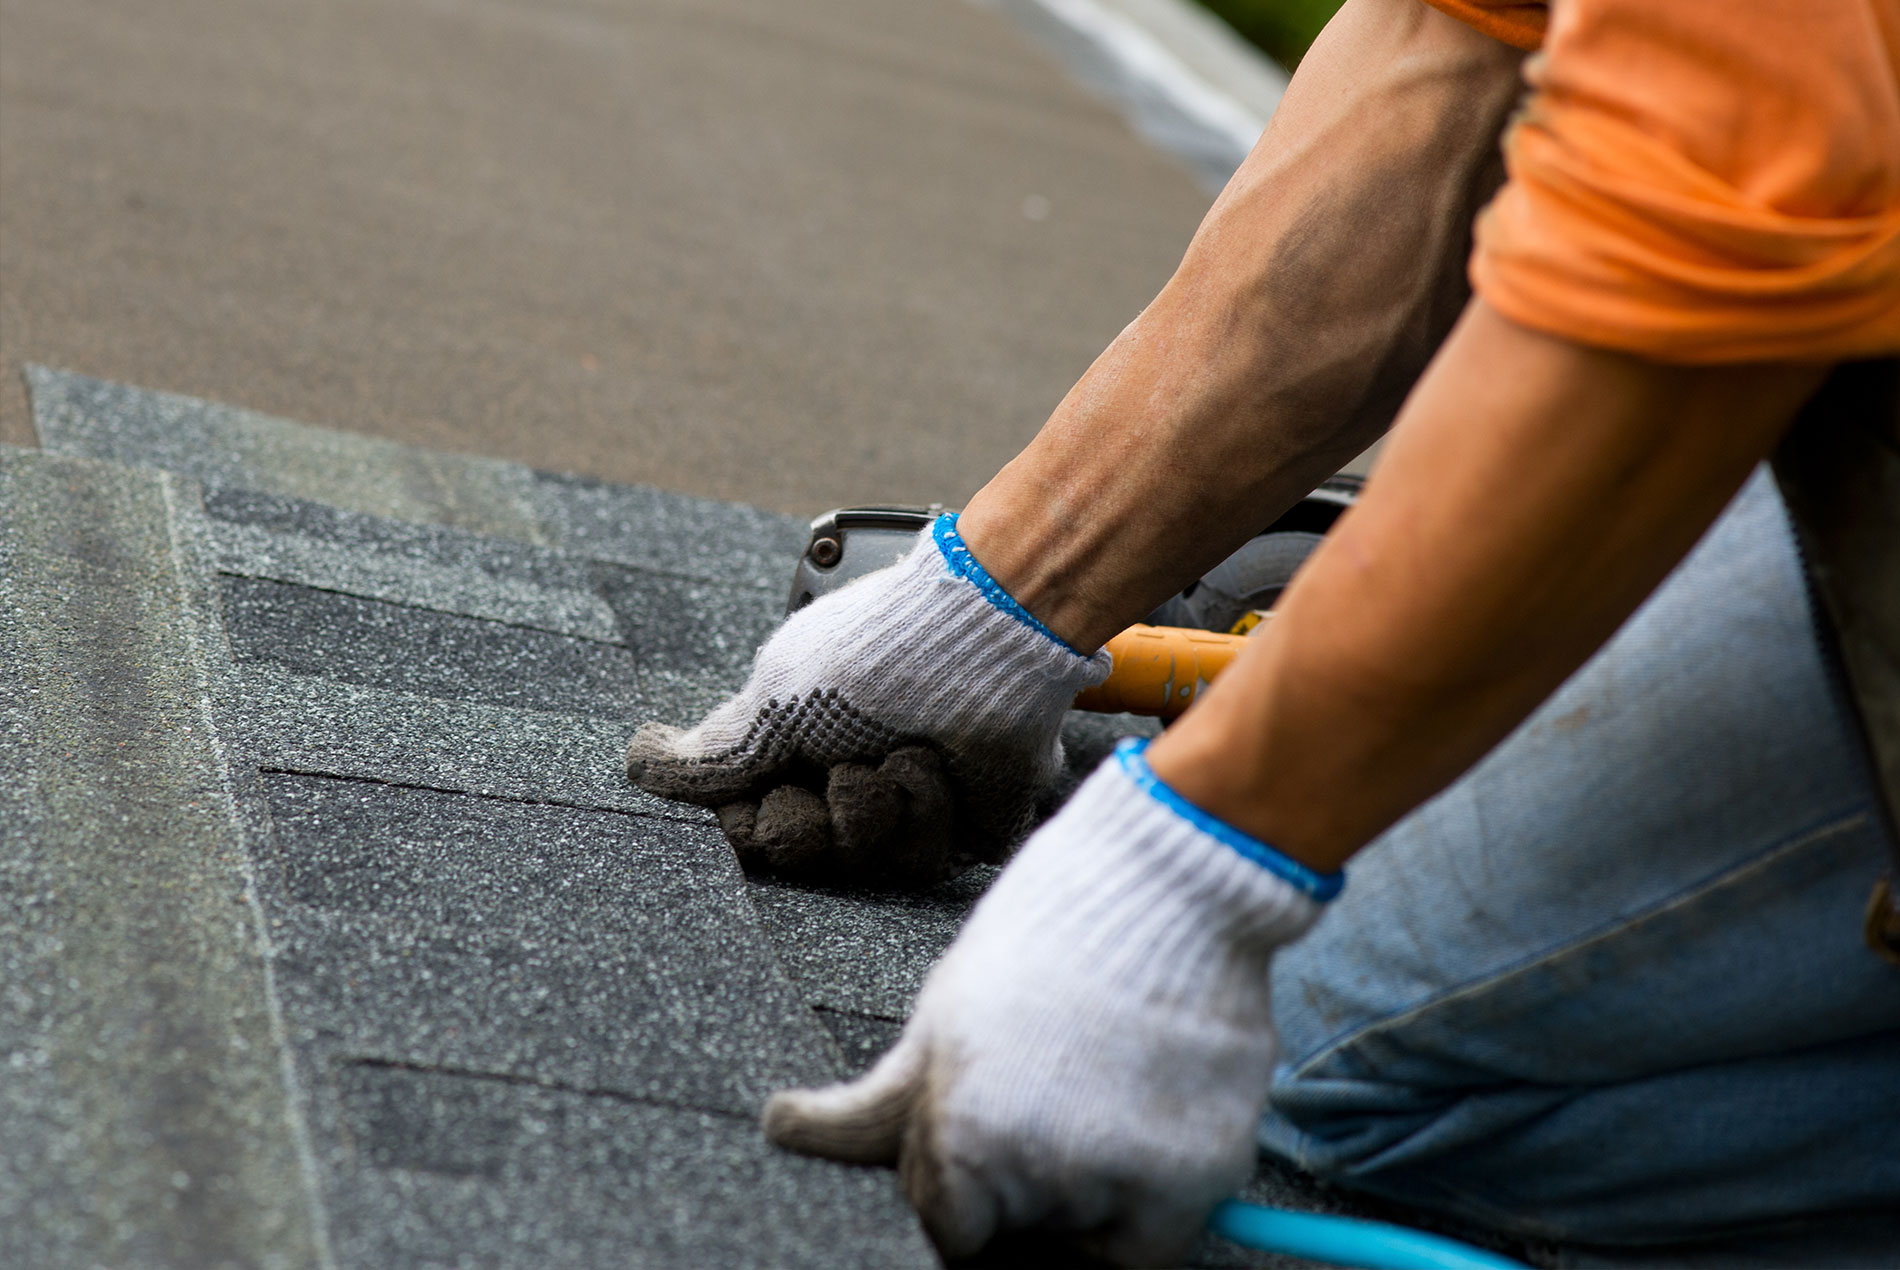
1700	181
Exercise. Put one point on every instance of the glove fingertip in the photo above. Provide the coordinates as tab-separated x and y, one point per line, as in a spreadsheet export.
865	807
654	738
793	830
923	842
739	822
784	1116
653	745
863	1122
810	1122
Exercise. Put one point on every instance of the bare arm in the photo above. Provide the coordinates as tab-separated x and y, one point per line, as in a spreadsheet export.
1311	297
1532	493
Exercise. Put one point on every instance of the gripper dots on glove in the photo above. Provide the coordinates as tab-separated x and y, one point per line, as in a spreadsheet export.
888	734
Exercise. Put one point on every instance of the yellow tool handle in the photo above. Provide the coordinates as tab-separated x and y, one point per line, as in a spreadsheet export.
1160	670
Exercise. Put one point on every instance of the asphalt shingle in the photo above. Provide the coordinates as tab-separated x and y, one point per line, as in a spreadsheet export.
864	953
861	1038
694	640
531	1011
588	949
449	570
406	648
226	448
564	1178
146	1116
300	723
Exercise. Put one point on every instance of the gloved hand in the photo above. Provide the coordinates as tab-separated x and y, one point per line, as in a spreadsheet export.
890	732
1092	1053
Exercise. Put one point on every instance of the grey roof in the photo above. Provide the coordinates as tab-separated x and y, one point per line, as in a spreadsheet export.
337	935
325	839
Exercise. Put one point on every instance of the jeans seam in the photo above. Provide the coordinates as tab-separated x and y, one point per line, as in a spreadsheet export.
1673	901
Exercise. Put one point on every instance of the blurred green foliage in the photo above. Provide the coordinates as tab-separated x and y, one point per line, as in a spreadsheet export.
1284	28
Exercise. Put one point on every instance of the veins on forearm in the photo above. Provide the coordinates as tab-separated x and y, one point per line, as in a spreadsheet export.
1311	297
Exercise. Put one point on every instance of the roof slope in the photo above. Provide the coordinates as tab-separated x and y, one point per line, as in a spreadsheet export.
325	835
529	1012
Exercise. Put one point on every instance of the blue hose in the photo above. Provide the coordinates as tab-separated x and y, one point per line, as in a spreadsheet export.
1347	1241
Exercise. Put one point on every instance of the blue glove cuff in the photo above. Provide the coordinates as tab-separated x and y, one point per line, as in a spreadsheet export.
1320	886
957	557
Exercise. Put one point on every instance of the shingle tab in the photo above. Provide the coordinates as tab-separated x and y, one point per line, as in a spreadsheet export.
301	723
226	448
694	640
668	532
862	1038
222	446
534	1176
450	570
864	953
591	949
405	648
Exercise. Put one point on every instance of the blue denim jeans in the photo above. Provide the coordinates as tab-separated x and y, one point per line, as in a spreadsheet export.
1610	987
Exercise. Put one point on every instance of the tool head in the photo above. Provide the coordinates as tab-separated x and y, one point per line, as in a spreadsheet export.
849	542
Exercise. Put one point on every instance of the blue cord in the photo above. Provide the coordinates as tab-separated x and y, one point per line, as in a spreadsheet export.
1347	1241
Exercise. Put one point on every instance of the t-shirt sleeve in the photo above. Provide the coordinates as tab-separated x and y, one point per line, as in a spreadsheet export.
1517	23
1705	181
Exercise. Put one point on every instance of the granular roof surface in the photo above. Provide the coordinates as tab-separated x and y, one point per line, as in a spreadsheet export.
335	935
339	936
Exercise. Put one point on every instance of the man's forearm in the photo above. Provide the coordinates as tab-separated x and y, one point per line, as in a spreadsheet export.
1533	492
1316	289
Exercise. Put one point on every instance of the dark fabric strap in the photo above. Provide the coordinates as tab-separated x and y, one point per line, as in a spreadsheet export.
1839	471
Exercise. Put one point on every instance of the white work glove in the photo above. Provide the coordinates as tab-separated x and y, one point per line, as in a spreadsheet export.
890	733
1093	1052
